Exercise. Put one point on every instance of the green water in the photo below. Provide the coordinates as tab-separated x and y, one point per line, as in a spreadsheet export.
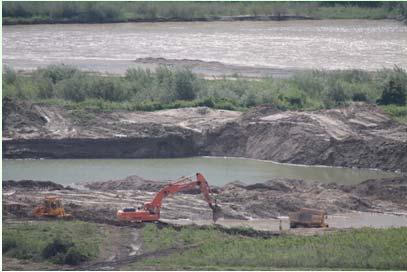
218	171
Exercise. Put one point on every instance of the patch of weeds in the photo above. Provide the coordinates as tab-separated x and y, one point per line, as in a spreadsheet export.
58	242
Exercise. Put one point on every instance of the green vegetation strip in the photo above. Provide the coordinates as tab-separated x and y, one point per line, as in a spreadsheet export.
353	249
101	12
176	88
60	242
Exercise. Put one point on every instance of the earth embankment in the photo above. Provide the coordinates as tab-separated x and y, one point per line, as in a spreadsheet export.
359	135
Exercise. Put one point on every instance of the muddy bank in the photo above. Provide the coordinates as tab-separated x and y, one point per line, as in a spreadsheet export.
98	202
359	135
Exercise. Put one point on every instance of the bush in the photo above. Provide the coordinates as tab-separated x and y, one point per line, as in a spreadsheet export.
58	72
78	241
45	89
207	102
56	247
359	97
72	88
185	85
9	75
166	88
63	252
249	100
336	95
226	104
295	98
149	106
393	93
74	256
8	243
108	89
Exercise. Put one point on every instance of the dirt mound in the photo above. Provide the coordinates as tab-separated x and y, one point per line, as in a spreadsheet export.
20	118
129	183
32	185
280	196
394	189
137	183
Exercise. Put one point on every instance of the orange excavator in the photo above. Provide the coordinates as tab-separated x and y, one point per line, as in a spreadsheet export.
150	211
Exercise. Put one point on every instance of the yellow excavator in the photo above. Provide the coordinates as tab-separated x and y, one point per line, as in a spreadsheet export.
51	207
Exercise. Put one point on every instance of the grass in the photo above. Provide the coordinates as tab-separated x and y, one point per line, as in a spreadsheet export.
98	12
354	249
398	113
55	241
384	249
165	88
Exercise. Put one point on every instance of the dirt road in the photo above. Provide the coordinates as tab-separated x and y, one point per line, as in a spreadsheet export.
359	135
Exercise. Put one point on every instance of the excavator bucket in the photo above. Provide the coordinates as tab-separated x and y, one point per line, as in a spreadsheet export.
216	212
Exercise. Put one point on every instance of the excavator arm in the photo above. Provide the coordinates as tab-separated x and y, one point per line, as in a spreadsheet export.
151	210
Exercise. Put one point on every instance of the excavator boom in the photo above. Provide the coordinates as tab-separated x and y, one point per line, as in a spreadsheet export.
151	210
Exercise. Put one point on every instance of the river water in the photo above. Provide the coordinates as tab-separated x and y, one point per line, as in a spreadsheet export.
217	170
313	44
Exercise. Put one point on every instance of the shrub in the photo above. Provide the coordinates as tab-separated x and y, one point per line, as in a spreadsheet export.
72	88
393	93
74	256
138	74
45	89
56	247
226	104
9	90
108	89
207	102
337	94
149	106
249	100
295	98
9	75
359	97
8	243
58	72
185	85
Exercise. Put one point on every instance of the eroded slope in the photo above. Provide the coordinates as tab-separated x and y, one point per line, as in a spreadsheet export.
359	135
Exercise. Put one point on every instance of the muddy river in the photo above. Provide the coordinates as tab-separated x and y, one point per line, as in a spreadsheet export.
321	44
218	171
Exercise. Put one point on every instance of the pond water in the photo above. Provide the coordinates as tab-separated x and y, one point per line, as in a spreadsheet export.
217	170
312	44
